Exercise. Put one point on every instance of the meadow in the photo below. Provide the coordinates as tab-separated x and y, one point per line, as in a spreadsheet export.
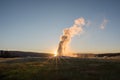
54	68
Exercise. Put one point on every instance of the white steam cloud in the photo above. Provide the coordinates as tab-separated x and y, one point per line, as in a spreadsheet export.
68	33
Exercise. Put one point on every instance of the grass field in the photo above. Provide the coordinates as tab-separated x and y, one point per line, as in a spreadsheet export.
59	69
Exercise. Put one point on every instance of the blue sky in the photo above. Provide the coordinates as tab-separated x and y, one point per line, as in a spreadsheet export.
36	25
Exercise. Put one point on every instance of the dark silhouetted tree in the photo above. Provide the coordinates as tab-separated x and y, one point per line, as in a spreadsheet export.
5	54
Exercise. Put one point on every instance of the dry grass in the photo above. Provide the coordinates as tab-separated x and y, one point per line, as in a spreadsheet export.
59	69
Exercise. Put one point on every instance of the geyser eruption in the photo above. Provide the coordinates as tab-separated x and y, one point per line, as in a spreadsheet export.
68	33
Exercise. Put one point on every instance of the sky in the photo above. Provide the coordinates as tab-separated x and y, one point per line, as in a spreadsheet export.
36	25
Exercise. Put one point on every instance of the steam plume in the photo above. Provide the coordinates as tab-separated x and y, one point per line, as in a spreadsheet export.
68	33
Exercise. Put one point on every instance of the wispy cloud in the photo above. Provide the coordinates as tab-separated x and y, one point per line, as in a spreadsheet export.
88	23
103	24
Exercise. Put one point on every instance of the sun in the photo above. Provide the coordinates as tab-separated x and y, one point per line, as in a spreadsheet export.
55	53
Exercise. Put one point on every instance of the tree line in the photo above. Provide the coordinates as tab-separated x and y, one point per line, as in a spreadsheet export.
5	54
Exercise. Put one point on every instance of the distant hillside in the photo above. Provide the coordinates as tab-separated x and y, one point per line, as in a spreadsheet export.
90	55
108	55
7	54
